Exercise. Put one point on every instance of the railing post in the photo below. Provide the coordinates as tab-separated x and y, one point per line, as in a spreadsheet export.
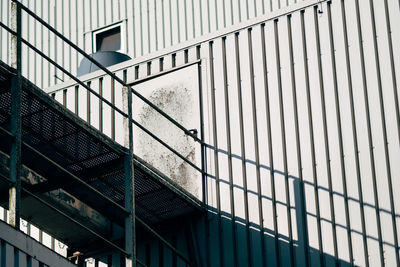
202	146
130	226
15	153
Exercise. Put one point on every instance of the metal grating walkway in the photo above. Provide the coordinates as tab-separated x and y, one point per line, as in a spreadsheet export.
73	156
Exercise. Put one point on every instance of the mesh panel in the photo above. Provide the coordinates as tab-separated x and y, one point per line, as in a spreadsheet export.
58	136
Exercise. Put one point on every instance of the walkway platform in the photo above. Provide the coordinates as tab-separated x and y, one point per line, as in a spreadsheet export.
73	175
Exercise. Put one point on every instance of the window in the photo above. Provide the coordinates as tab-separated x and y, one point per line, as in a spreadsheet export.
109	38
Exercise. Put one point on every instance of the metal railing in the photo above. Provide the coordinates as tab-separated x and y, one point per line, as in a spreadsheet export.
17	31
113	76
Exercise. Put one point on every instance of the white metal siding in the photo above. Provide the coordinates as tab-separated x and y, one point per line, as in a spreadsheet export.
20	250
151	25
324	110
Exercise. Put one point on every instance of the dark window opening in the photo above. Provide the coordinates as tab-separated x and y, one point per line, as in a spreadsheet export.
109	40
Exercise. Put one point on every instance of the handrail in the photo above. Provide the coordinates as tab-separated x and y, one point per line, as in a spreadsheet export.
104	100
100	97
177	124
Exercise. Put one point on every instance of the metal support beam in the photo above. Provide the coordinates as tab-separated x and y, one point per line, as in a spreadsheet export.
56	170
49	205
15	153
130	227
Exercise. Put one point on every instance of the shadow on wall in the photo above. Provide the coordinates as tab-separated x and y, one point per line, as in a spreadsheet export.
190	237
271	252
208	239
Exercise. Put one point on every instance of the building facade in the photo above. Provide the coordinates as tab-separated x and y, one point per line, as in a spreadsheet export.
297	104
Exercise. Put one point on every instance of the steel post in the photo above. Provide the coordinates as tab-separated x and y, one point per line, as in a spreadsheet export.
15	153
130	228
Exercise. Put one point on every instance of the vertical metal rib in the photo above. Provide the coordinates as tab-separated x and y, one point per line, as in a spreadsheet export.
201	18
90	16
208	15
354	129
186	23
203	159
311	130
62	32
178	22
64	97
224	13
229	146
393	69
247	9
340	135
186	56
216	15
160	254
271	156
173	60
161	64
76	110
155	24
148	68
101	105
88	104
232	15
240	11
148	26
8	34
124	75
256	147
28	22
298	147
141	26
1	33
76	36
133	29
216	160
55	43
97	12
69	36
36	45
243	150
326	136
385	138
368	116
136	72
203	148
396	102
170	22
48	42
284	148
112	109
193	21
163	21
174	257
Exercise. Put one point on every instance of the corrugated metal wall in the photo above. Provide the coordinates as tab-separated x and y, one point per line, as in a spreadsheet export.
301	116
19	250
302	119
150	25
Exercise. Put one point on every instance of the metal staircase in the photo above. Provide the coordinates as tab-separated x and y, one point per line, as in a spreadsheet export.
71	180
